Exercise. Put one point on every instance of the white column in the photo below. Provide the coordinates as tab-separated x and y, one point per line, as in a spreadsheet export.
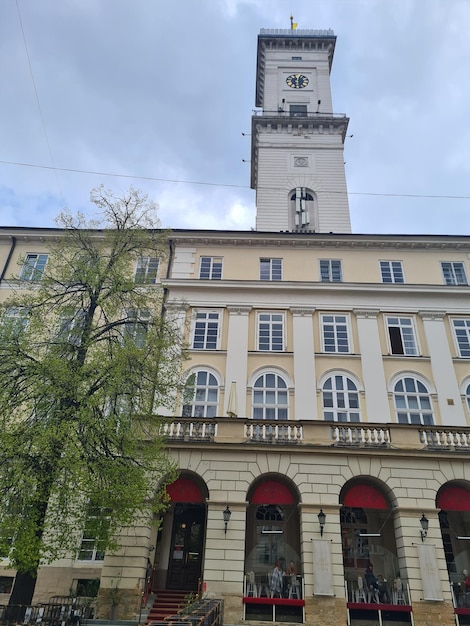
448	394
375	387
305	381
237	355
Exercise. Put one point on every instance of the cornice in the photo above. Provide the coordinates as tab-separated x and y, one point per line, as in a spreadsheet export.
432	315
314	287
366	313
239	310
302	311
263	239
343	241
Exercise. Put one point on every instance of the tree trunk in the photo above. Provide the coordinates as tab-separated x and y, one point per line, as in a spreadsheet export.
21	596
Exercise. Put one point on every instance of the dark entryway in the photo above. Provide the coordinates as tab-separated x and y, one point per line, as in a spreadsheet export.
187	540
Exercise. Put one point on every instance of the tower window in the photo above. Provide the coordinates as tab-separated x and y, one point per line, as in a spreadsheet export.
298	110
297	58
301	205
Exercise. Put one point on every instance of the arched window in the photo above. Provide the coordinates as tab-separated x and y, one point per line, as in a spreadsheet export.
412	402
270	398
467	396
301	206
201	395
340	399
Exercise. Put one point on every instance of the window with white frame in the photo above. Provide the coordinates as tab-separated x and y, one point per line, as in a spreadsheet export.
270	398
33	267
462	336
467	396
210	268
146	270
92	543
270	269
412	402
271	332
136	327
206	330
402	336
454	273
340	399
330	271
70	327
201	395
392	272
335	333
16	318
301	205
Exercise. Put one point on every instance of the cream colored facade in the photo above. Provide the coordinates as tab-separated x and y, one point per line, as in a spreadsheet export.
332	373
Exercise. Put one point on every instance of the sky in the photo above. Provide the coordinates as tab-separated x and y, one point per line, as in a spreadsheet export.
158	93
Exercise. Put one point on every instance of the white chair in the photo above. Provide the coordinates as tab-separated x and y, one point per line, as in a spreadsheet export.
360	593
294	587
398	596
264	586
251	588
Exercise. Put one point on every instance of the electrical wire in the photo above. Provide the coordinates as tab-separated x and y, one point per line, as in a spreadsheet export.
225	185
38	102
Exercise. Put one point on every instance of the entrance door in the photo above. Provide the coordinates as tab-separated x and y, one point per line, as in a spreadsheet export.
185	565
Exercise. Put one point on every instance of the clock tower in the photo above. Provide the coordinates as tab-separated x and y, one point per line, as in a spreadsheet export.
297	162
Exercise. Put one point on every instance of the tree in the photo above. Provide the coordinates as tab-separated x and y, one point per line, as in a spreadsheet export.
87	360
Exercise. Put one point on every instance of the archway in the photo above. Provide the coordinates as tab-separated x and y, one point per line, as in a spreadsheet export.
368	538
180	544
453	500
272	532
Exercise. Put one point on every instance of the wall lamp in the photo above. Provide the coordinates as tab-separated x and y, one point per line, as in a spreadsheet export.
227	514
424	526
321	521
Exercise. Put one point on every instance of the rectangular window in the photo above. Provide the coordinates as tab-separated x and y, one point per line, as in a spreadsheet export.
462	335
402	336
92	543
330	271
206	330
136	328
70	327
271	332
33	267
270	269
454	273
392	271
335	333
298	110
146	270
211	268
16	318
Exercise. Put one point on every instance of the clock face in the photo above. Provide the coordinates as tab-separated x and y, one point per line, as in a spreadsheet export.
297	81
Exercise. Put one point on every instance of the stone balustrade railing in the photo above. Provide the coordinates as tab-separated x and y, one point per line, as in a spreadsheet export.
442	438
317	433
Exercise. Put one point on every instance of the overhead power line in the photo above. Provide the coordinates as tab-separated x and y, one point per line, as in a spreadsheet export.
210	184
38	101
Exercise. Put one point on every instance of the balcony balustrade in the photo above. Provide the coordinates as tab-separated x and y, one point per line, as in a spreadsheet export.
317	433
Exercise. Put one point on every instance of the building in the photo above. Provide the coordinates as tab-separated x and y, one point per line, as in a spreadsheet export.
330	420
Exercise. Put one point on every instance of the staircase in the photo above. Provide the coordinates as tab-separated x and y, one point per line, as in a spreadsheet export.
167	602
